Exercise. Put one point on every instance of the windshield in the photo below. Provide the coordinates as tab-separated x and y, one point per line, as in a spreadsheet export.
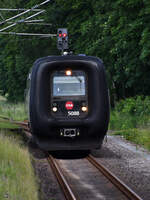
68	85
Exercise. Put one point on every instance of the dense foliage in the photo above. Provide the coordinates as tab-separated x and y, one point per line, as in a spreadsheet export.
117	31
131	113
131	119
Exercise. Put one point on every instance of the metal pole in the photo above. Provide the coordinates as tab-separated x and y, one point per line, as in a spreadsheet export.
34	7
21	21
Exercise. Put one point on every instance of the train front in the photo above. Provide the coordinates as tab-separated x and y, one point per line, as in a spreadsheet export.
69	107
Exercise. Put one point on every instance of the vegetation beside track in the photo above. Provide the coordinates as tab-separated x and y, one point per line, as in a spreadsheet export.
17	179
131	119
12	111
6	124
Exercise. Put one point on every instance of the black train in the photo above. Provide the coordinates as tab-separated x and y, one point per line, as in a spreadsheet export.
68	102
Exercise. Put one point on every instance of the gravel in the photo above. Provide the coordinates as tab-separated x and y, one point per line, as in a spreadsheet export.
87	183
128	162
49	188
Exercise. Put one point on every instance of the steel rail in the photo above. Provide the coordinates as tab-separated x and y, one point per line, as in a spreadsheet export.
25	126
130	194
61	179
21	123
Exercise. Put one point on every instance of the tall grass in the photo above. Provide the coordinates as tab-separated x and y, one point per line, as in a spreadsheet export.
17	179
13	111
137	136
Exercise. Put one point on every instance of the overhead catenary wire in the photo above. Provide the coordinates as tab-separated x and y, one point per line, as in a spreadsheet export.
26	11
29	34
29	21
40	24
21	21
18	9
33	22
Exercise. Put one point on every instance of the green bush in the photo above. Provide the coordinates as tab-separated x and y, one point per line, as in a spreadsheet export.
131	113
137	106
120	121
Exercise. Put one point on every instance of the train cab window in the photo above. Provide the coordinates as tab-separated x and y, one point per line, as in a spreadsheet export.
69	85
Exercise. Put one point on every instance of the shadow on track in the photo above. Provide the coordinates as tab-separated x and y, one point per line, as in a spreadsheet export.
76	154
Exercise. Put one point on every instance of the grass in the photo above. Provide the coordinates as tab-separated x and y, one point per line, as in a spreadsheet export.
137	136
17	180
121	121
5	124
12	111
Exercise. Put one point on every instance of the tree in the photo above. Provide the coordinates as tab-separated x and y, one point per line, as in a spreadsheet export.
116	31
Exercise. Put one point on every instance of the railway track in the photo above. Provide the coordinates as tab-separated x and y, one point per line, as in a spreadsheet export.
68	192
65	186
25	126
130	194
